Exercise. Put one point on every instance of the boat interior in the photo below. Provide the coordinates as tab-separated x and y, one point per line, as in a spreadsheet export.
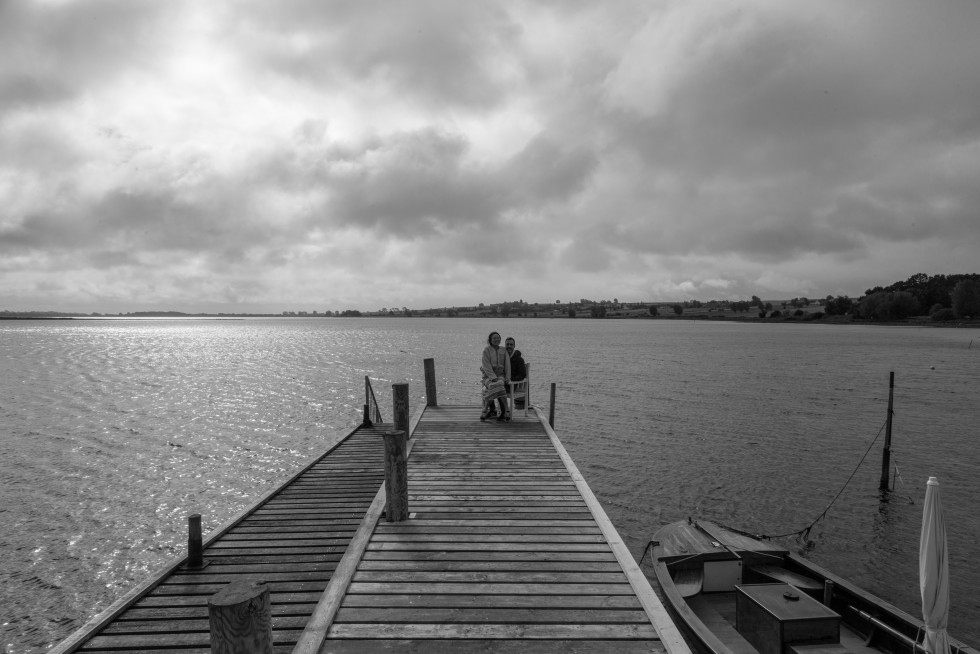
739	587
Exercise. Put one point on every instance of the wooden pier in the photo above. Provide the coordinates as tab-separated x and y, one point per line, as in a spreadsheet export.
505	549
293	538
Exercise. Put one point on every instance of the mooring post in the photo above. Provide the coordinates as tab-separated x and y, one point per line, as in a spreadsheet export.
828	592
396	475
430	381
195	545
886	455
399	397
551	409
240	618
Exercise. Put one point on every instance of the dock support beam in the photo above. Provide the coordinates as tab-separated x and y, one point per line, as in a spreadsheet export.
195	544
396	475
240	617
399	397
886	455
430	382
551	407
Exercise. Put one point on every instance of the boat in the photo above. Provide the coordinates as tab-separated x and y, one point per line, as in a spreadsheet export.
733	593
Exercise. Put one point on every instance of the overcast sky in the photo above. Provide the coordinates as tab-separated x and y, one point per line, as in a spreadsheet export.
313	155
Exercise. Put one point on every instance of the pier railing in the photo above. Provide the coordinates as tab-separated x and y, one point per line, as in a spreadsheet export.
372	414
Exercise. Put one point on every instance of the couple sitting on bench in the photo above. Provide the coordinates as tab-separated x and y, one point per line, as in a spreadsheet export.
500	367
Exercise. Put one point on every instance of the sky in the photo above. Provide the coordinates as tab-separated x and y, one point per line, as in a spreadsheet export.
257	156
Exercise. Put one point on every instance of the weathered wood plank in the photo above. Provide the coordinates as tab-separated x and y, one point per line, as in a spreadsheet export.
491	616
482	646
489	589
494	631
513	601
200	612
491	547
143	627
535	555
482	529
174	601
419	523
492	566
144	642
487	538
488	577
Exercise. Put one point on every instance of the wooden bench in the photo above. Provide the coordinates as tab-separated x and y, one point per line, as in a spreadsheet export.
809	586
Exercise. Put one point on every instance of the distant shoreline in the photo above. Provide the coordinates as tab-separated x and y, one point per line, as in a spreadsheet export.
919	321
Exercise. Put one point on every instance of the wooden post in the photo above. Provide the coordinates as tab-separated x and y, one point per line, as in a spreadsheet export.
396	475
195	545
430	382
828	592
887	453
551	410
399	397
240	616
367	416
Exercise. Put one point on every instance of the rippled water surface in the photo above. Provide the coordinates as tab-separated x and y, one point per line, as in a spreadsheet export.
113	431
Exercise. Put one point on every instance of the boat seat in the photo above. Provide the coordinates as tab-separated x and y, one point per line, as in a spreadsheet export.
689	582
775	573
826	648
720	627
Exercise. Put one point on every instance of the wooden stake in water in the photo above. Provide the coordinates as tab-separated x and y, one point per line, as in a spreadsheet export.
886	455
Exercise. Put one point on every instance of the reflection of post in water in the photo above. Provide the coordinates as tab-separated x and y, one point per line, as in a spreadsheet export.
887	453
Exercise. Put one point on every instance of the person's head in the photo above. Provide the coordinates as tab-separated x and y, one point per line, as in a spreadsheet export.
494	339
510	344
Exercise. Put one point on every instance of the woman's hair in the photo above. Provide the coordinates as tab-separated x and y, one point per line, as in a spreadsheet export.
490	337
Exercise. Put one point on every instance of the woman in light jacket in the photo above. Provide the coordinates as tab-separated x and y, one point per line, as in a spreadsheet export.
495	366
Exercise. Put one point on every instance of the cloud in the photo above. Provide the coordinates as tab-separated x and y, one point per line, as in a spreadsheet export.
257	153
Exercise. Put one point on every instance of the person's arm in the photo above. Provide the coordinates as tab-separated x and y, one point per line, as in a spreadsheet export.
506	366
486	366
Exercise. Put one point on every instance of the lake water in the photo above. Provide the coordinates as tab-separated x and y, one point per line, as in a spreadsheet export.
113	431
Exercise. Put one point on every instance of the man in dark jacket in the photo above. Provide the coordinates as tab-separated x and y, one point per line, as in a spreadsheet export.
518	369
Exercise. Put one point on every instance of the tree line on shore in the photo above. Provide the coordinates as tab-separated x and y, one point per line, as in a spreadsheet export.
941	298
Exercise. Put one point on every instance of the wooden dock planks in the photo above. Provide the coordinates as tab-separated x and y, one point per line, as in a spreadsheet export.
501	553
293	541
506	550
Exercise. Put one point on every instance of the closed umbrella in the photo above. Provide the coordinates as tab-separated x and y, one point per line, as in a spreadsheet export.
934	572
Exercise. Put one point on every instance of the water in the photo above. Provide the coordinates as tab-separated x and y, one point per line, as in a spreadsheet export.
114	431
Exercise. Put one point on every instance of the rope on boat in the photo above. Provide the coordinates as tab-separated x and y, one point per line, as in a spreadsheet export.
804	534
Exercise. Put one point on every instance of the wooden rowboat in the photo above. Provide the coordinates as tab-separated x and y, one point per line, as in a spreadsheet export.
730	593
